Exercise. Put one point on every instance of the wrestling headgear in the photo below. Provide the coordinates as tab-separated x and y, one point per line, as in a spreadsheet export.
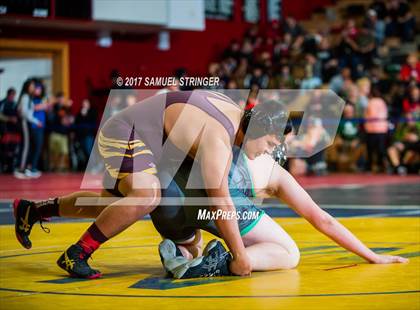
268	118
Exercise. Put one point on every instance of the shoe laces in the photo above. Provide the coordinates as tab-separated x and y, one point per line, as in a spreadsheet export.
45	229
42	220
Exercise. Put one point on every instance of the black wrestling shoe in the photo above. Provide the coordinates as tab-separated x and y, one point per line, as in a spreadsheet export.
214	262
74	261
26	215
170	256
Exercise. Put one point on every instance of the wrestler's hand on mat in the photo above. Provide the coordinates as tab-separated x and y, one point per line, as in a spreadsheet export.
241	265
389	259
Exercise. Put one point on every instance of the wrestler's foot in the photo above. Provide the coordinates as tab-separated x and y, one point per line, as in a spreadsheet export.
26	215
74	261
170	256
214	262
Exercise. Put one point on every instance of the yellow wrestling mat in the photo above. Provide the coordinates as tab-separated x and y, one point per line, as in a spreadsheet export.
328	277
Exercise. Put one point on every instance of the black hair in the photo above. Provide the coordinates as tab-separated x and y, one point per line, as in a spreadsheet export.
39	83
10	91
268	118
25	89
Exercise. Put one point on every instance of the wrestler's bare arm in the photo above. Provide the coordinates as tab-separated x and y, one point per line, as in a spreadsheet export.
215	158
283	186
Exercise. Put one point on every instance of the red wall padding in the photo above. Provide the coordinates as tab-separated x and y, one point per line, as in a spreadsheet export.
193	50
190	49
302	9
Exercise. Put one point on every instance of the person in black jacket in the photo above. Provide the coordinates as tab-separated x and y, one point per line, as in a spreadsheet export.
85	127
9	131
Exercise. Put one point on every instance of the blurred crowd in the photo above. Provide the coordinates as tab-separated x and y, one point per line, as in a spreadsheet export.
380	126
379	129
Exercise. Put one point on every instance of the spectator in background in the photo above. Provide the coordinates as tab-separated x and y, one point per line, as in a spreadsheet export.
114	105
247	50
233	51
292	29
364	88
26	112
8	112
85	125
282	48
410	71
213	70
285	79
9	132
376	128
397	94
376	26
130	100
349	47
380	8
406	21
411	104
37	133
241	71
366	46
405	150
347	148
312	73
339	81
314	136
327	58
257	77
400	21
60	122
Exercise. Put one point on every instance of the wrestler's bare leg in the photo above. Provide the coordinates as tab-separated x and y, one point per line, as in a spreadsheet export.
270	247
141	195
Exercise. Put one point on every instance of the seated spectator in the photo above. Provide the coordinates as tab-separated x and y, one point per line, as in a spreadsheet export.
310	81
364	87
241	71
376	26
328	60
339	81
252	34
295	31
400	22
380	8
397	94
10	137
405	150
347	148
114	105
352	96
285	79
233	51
247	50
314	135
410	71
257	77
349	47
282	48
61	120
376	128
411	104
366	48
